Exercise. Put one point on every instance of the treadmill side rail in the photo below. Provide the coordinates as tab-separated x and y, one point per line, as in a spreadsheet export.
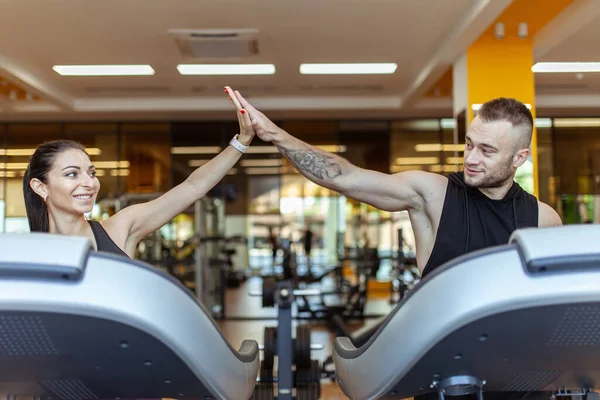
43	256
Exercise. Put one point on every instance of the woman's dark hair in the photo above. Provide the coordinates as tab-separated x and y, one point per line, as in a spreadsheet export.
40	164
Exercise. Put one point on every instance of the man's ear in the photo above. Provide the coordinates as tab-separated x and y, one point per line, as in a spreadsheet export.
520	157
39	187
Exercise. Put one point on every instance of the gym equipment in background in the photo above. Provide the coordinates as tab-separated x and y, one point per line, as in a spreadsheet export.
295	368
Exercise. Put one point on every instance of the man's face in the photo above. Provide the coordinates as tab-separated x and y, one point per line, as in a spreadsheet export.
489	154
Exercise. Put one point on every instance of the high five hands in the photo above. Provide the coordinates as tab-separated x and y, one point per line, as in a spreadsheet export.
263	126
244	119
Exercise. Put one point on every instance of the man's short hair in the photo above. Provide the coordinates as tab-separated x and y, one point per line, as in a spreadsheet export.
513	111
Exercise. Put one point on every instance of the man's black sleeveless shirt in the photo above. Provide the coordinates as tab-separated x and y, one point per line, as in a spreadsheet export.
471	221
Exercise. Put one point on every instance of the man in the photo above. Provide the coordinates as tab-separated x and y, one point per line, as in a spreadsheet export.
450	215
307	241
272	240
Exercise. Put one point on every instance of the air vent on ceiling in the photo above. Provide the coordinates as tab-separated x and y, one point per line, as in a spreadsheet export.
216	43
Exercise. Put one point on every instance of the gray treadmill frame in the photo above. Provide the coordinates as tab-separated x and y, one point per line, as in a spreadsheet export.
373	370
111	287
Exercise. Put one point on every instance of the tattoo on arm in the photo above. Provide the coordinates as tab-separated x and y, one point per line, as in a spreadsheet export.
318	165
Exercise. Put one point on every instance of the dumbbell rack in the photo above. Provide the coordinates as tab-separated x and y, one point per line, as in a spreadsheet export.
295	368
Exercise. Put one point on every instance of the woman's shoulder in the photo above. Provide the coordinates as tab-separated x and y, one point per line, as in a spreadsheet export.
117	231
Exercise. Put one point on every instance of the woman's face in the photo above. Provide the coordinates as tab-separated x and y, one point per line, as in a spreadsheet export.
72	185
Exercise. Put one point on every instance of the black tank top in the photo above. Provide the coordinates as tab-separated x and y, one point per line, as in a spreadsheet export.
103	241
471	221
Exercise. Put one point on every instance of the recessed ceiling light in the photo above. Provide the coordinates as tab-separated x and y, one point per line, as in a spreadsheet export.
226	69
341	69
103	70
566	67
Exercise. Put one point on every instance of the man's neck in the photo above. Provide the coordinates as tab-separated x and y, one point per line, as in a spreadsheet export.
497	193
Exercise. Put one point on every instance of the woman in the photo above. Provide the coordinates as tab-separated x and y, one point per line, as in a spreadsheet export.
60	185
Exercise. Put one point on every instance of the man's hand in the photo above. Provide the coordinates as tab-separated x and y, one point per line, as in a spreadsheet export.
247	132
263	126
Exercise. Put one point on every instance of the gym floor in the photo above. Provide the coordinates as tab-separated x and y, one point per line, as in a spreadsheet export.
240	304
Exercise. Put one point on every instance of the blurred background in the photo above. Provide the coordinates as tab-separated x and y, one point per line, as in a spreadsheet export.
389	85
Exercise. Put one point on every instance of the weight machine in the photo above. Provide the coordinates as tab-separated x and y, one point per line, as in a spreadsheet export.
296	371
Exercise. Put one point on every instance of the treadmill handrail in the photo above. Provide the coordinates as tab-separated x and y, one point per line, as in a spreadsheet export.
541	243
349	353
245	354
536	246
54	256
48	256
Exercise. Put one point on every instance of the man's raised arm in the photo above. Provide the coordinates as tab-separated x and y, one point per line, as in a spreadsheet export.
325	169
387	192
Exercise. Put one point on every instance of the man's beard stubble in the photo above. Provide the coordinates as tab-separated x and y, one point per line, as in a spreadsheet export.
497	179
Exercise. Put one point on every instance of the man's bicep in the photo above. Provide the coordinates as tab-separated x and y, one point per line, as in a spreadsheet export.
397	192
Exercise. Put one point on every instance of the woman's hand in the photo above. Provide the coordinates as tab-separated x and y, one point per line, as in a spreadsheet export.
132	224
246	130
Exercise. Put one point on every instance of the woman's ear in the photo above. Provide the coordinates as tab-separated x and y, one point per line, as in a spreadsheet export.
39	187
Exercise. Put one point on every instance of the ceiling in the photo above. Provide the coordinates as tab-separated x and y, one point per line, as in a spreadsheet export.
580	45
37	35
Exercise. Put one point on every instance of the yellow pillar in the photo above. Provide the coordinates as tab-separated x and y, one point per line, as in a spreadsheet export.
499	63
